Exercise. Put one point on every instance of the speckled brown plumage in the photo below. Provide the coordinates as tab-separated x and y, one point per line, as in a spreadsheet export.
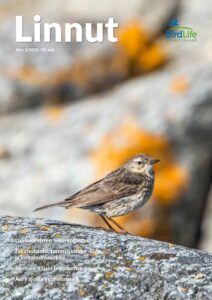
119	193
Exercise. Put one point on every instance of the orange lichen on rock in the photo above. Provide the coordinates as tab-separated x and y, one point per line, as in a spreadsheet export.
24	231
144	54
179	85
152	57
132	38
54	112
142	258
108	274
82	293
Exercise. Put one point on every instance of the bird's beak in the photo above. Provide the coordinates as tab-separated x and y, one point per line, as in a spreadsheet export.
154	161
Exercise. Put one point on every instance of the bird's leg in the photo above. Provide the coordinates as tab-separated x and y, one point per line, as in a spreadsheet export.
106	221
124	231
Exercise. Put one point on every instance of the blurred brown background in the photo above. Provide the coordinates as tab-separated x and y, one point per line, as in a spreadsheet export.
70	116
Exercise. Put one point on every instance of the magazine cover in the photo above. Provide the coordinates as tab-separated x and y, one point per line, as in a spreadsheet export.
105	149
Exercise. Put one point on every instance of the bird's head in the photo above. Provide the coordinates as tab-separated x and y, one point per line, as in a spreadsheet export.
141	164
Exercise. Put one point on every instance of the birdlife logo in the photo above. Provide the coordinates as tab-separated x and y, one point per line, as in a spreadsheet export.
180	33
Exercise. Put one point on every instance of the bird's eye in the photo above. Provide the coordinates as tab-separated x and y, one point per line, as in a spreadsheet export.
139	162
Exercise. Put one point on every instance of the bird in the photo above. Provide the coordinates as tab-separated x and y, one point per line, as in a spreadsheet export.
118	193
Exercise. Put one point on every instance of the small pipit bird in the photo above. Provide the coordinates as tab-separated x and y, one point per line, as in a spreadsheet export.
119	193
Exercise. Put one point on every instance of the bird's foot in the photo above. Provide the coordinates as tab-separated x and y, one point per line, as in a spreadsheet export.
108	229
122	231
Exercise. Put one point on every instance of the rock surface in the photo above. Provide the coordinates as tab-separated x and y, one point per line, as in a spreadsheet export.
45	261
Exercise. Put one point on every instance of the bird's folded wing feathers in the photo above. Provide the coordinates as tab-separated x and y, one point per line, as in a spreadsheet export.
101	192
114	186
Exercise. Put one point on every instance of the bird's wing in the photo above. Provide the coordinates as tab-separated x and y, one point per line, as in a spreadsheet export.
114	186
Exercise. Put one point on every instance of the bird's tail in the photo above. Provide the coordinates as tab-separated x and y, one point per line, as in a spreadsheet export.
61	203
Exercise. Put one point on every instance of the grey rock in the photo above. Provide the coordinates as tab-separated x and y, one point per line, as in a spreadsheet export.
42	261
